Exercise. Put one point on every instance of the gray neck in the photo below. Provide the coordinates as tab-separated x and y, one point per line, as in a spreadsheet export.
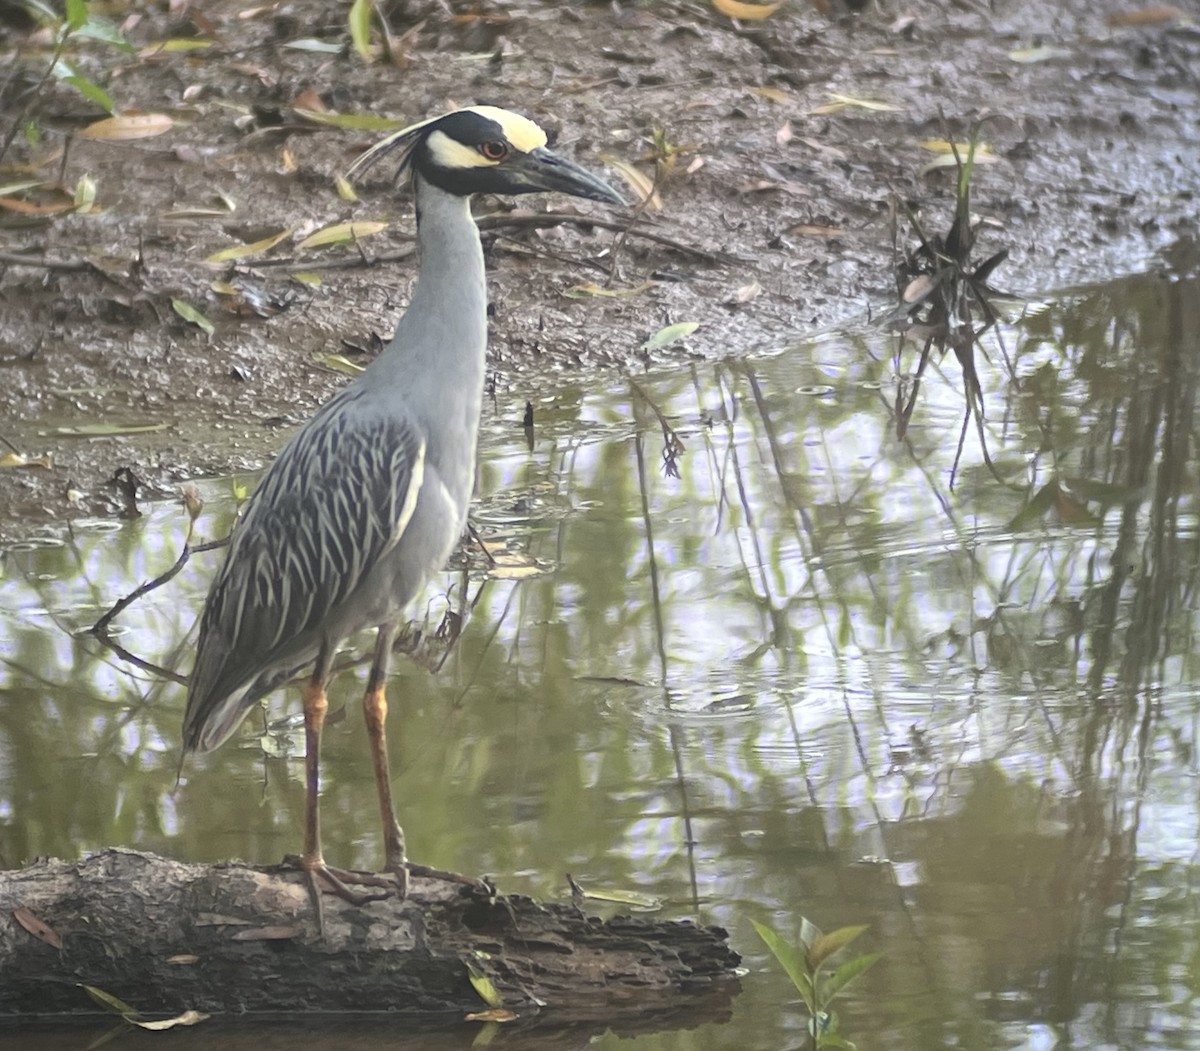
437	355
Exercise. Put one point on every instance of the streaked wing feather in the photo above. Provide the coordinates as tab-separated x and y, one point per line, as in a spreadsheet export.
325	515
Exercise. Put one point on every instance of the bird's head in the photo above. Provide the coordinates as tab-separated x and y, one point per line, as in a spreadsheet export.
484	149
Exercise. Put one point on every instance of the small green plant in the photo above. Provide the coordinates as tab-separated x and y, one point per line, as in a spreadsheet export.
77	23
819	987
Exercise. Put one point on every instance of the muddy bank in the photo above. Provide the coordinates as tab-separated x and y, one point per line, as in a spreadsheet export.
776	213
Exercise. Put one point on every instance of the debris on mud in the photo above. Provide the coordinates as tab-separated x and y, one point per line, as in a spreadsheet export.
170	177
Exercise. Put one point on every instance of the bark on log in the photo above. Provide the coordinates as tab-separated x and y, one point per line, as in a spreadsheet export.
167	937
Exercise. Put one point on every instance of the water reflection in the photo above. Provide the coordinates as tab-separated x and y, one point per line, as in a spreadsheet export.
803	677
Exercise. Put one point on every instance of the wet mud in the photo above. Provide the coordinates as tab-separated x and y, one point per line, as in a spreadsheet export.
778	202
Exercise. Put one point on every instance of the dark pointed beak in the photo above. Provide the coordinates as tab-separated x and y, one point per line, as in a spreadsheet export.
542	169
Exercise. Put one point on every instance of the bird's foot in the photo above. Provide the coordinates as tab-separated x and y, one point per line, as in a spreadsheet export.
322	879
481	885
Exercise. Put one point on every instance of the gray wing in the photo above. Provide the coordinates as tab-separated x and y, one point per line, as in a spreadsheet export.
335	502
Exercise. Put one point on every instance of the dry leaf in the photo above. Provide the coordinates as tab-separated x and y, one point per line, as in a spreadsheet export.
15	204
1147	16
310	99
946	160
744	294
746	12
129	126
187	1018
194	505
943	146
103	430
785	134
1030	55
918	288
774	94
38	928
496	1014
822	148
590	288
809	230
267	934
841	102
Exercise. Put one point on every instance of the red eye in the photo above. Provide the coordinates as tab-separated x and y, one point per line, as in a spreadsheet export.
494	151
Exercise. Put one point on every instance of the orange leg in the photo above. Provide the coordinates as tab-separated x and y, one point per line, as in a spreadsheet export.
375	709
315	706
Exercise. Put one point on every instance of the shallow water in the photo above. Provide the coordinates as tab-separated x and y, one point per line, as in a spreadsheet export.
806	677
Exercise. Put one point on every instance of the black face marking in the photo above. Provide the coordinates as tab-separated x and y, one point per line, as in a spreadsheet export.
470	128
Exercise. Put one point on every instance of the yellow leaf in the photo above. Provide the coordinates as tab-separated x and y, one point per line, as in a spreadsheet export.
359	21
340	363
664	337
129	126
942	146
242	251
11	459
341	233
344	190
635	900
190	314
641	184
110	1002
85	194
184	43
482	984
946	160
590	288
747	12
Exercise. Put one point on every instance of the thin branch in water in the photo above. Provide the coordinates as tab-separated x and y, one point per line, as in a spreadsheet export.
673	446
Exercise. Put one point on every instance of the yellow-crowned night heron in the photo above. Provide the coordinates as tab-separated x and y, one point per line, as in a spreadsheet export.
369	497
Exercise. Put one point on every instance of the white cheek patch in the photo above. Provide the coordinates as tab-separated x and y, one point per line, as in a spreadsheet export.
452	154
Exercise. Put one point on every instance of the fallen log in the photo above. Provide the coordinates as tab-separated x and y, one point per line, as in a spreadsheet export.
230	939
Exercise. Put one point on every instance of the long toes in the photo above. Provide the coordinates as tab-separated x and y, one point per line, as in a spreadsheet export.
334	878
359	879
479	885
